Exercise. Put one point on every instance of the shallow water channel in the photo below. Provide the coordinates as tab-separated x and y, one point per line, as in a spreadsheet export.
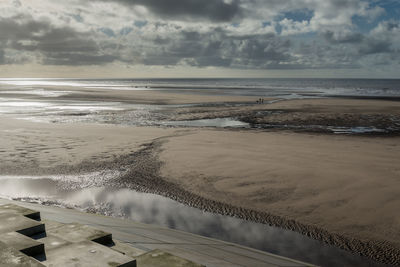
217	122
158	210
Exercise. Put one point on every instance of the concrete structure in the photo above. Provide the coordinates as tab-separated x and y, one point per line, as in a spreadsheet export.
70	232
28	241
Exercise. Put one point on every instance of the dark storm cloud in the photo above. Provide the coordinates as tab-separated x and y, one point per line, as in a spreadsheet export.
392	25
319	55
364	45
351	48
258	51
77	59
214	10
374	46
58	46
56	40
219	48
1	57
12	30
352	37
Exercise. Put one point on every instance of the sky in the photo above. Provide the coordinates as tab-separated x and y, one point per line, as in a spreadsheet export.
200	38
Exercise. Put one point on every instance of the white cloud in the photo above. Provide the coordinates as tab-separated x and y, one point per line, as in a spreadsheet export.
250	34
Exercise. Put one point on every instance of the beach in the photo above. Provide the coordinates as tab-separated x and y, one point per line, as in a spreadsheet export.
272	125
347	186
288	168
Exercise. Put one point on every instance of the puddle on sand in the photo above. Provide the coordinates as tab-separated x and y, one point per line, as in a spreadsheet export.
331	129
218	122
356	130
158	210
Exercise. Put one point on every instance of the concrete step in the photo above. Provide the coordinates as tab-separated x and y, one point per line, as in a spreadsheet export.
158	258
22	243
69	244
11	257
21	224
75	244
15	209
74	232
127	249
86	253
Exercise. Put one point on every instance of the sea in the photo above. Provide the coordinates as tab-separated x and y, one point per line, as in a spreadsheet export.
271	87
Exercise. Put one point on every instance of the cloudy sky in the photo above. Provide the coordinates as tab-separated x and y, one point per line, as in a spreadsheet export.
200	38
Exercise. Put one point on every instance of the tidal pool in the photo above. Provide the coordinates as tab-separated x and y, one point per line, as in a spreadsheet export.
217	122
158	210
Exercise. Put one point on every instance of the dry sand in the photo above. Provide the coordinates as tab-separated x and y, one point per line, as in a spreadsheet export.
344	190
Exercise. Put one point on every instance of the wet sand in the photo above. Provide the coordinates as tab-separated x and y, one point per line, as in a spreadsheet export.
347	186
342	189
145	96
33	148
308	115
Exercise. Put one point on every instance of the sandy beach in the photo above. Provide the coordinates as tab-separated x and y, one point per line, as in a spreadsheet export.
345	185
274	125
342	189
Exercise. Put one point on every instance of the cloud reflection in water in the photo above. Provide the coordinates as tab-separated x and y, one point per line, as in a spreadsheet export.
158	210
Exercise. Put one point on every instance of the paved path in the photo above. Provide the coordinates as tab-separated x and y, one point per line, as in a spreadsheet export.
203	250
